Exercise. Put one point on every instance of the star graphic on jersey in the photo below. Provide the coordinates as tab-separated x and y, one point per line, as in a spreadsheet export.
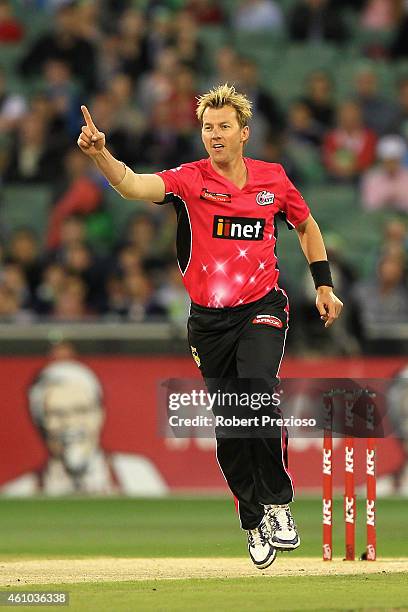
242	253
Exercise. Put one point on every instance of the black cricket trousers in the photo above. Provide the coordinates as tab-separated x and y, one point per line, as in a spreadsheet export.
238	343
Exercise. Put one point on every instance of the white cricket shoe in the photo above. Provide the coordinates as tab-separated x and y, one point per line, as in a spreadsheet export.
283	528
260	548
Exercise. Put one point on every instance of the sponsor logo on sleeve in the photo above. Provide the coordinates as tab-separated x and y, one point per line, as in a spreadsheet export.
264	198
267	319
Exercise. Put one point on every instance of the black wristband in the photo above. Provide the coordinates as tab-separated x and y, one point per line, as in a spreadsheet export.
321	274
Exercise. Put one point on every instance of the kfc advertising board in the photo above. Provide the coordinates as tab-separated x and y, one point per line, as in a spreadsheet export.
90	426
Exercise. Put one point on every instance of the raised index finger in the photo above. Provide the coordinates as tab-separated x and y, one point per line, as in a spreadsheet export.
88	118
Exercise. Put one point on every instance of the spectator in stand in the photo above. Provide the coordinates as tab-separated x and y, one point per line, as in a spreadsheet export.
116	298
89	21
121	90
264	105
258	15
108	60
173	297
63	97
133	44
11	30
13	277
378	111
128	259
315	21
275	150
157	86
51	284
63	43
226	67
395	241
386	187
10	309
381	15
142	304
399	47
24	251
159	35
12	106
382	301
183	102
112	107
70	303
73	231
302	128
319	98
348	149
81	262
339	341
142	234
83	195
206	12
185	41
161	143
399	124
35	154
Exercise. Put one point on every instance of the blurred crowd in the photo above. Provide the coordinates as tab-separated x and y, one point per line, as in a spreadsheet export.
139	67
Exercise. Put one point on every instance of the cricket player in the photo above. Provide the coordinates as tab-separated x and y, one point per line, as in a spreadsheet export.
226	206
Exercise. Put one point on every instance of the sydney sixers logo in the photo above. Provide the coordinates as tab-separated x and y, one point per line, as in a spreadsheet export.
264	198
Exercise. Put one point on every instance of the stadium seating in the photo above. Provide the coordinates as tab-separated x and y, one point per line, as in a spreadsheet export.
25	206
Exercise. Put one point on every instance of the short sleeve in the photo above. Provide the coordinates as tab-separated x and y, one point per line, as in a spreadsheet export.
175	181
295	209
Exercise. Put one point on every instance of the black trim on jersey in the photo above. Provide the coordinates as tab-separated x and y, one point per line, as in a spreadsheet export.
184	236
184	233
282	215
168	199
275	246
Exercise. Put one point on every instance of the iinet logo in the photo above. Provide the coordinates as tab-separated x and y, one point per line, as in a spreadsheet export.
238	228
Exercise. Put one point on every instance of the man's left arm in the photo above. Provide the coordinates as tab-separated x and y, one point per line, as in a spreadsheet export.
311	241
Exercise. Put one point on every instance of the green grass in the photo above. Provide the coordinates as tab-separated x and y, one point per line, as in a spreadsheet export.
184	527
371	592
175	527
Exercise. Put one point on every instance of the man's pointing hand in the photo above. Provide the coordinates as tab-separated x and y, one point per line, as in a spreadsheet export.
91	141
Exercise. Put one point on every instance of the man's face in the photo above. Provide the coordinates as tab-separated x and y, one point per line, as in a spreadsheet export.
72	421
222	135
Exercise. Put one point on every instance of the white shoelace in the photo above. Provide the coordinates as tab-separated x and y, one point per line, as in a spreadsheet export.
259	535
277	520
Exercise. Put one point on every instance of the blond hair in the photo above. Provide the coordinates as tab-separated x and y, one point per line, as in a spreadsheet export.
225	95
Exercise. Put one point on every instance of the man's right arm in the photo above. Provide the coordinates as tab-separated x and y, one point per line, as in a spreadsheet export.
130	185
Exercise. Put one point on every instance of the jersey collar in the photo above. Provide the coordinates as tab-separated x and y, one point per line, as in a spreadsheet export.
233	186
